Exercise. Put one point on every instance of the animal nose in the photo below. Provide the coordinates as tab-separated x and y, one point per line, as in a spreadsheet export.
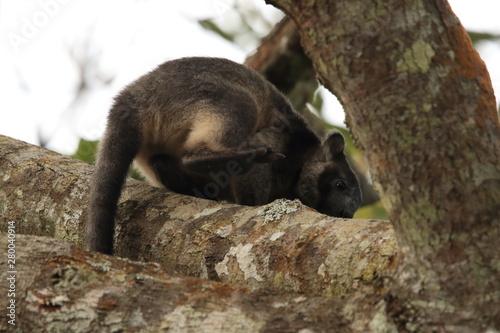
345	214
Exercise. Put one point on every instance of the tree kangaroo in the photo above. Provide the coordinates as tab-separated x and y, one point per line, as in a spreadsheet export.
213	128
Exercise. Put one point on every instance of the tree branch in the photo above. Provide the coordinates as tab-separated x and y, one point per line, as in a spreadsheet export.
282	245
59	287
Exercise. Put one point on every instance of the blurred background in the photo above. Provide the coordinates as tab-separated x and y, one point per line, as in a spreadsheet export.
62	61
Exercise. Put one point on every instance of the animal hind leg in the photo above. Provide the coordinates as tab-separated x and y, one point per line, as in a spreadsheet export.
221	138
205	161
170	173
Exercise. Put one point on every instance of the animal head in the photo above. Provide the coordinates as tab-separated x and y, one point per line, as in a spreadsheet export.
327	182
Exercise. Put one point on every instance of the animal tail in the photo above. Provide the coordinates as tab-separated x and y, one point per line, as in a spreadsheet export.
118	148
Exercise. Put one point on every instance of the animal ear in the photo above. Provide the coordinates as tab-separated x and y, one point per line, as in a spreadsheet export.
335	143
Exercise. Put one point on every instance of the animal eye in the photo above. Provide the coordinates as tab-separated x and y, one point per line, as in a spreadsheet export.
340	185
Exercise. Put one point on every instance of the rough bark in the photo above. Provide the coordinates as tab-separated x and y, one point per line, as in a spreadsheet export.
284	245
419	102
62	288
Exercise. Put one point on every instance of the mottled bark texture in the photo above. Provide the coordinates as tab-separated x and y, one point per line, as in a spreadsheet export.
283	245
419	102
62	288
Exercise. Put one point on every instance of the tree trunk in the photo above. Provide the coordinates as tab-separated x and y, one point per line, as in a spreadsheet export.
420	104
283	245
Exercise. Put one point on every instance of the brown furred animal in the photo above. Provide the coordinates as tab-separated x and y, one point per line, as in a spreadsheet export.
213	128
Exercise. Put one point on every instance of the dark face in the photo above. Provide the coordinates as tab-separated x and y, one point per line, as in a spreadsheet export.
327	182
339	191
330	188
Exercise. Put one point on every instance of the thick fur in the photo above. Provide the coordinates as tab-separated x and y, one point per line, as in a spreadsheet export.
212	128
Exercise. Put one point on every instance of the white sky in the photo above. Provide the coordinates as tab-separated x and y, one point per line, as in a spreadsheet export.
45	43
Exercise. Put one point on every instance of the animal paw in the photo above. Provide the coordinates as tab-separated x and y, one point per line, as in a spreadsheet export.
266	155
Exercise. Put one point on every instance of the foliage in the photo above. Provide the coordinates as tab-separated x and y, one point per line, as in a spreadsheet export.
86	151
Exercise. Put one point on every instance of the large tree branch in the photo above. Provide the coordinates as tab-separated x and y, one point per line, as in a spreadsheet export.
282	245
61	288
